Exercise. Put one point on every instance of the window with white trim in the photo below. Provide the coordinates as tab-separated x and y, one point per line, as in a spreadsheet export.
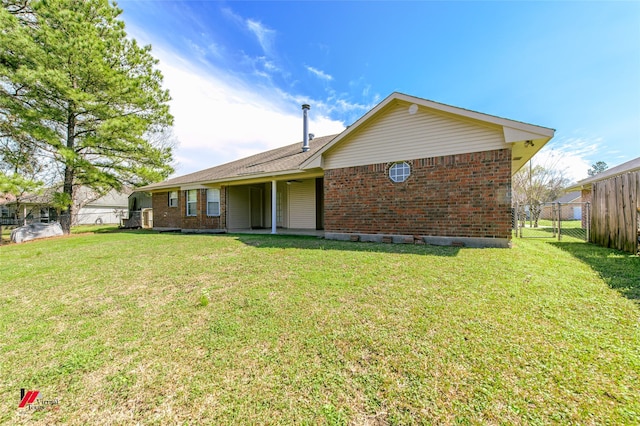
399	172
192	202
213	202
173	199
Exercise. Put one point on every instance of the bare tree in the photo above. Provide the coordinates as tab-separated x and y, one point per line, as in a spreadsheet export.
536	184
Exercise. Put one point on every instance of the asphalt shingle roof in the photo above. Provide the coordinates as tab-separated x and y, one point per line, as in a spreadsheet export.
569	197
629	166
288	157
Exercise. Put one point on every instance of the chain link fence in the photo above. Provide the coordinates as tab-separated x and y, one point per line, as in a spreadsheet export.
102	217
552	220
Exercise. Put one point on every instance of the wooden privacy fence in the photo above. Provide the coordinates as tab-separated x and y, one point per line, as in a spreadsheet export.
614	214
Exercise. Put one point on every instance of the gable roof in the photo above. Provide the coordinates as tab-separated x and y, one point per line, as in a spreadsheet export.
525	139
569	197
514	131
43	197
46	197
629	166
7	198
286	159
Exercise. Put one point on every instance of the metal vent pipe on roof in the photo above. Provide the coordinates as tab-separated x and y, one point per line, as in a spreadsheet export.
305	128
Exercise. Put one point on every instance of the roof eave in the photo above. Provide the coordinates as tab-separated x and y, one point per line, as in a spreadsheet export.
628	167
513	129
209	182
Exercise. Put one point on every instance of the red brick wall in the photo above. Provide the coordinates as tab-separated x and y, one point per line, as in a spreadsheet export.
466	195
163	215
176	217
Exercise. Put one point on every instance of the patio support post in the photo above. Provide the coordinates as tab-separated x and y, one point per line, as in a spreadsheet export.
273	207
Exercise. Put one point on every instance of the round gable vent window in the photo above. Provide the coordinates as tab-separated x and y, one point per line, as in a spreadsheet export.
399	172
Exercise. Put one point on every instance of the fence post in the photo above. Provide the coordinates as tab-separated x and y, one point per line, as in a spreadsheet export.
518	226
517	219
588	224
553	219
559	221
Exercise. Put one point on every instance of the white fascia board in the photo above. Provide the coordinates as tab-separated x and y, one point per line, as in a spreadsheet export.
316	162
252	178
516	129
192	186
518	135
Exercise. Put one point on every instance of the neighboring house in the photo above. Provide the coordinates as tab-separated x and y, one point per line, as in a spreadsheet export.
570	207
614	196
4	210
93	209
408	170
33	207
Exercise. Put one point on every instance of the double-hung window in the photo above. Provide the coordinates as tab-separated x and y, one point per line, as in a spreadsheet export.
213	202
192	202
173	199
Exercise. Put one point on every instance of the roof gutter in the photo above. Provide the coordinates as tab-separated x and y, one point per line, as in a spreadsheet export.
250	177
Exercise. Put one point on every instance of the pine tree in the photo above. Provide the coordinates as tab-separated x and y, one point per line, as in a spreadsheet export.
78	91
596	168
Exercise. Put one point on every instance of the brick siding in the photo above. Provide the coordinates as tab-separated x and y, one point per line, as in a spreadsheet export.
176	217
467	195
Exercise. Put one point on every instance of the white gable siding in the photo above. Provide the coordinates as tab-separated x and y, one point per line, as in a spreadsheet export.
302	204
398	135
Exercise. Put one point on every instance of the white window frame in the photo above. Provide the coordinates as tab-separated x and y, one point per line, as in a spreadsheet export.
213	202
173	201
399	172
192	205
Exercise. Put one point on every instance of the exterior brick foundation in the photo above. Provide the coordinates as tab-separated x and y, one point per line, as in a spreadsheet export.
466	195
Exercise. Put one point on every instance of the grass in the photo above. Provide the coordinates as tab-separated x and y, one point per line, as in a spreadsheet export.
80	229
569	228
569	224
136	327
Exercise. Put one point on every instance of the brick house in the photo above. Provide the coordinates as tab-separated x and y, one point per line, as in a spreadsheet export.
408	170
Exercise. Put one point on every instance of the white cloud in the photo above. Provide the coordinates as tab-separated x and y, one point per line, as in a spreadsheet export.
221	117
319	73
218	118
264	35
570	155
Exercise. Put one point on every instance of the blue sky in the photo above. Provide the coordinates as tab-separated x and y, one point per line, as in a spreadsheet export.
239	71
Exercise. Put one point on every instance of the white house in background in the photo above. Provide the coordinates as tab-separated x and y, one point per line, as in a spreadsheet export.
91	207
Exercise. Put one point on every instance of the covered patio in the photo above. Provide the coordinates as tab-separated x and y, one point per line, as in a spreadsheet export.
281	231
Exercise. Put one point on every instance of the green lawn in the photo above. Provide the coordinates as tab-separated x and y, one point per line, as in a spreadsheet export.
5	236
569	228
137	327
